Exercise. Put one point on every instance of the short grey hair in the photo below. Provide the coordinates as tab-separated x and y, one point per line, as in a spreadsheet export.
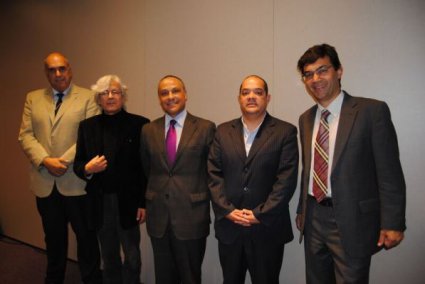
103	83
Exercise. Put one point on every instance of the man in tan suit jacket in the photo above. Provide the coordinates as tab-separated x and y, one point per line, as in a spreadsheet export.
48	135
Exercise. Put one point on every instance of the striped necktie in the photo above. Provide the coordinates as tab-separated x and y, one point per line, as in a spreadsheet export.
58	102
321	158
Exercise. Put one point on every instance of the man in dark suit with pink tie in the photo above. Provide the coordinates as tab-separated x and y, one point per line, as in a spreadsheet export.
174	153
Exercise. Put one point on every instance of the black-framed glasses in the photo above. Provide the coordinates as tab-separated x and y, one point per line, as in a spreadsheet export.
322	70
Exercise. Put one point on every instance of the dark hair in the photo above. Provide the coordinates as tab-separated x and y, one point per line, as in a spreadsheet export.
316	52
175	77
266	87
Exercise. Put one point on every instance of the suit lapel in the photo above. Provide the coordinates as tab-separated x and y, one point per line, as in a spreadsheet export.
66	103
236	135
307	134
50	105
346	121
159	137
189	128
263	134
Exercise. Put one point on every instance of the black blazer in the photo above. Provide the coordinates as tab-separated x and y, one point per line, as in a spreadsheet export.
127	163
368	187
178	197
263	182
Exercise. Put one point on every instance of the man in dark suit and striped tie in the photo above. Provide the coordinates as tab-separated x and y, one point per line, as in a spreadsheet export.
353	194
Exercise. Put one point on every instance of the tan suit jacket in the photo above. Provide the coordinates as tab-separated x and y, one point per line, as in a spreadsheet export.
42	134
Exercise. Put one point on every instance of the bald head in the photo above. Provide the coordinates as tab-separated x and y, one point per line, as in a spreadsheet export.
58	71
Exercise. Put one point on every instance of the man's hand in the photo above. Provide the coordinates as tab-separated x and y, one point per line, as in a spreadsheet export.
243	217
55	166
249	215
298	221
390	238
238	217
141	215
96	165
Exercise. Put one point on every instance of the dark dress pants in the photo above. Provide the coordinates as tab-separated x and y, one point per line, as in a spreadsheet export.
178	261
263	260
112	237
56	211
326	260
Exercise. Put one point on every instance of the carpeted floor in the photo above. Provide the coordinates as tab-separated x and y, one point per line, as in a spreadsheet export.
23	264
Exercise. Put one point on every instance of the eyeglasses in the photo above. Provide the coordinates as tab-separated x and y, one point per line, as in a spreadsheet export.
322	70
256	91
112	92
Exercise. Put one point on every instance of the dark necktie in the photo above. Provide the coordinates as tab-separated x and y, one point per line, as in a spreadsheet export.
321	158
58	102
171	142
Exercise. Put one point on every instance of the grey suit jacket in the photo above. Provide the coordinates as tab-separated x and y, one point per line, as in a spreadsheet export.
263	182
42	134
368	187
177	197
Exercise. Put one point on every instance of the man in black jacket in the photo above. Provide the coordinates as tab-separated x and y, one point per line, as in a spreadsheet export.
108	159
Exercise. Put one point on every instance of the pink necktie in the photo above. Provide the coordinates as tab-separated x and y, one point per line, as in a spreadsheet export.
171	142
321	158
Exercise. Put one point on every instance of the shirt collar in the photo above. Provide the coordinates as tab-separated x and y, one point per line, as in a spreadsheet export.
64	92
179	118
335	106
245	127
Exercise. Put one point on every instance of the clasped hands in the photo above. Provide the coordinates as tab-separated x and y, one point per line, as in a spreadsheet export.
56	166
96	165
243	217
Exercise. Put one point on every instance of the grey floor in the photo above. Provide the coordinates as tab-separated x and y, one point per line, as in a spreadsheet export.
23	264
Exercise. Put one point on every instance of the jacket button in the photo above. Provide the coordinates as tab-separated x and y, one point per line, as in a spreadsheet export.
167	196
170	174
245	189
245	170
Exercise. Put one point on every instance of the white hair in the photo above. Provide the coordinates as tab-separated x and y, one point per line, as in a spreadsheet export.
104	82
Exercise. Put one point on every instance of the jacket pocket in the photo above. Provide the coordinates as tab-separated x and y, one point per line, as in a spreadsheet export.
150	195
197	197
369	205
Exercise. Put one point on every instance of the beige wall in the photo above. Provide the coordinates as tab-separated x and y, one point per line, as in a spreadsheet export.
212	45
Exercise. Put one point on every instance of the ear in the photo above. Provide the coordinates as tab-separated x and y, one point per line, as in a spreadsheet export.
339	72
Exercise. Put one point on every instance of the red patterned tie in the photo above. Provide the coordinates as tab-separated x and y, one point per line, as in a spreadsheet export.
321	158
171	142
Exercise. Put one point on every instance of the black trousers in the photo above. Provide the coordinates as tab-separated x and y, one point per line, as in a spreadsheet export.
178	261
326	260
56	211
263	260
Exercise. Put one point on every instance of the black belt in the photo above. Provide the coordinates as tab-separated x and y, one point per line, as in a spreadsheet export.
327	202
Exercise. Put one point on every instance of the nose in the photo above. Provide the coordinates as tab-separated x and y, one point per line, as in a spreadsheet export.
170	95
316	76
58	72
251	95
